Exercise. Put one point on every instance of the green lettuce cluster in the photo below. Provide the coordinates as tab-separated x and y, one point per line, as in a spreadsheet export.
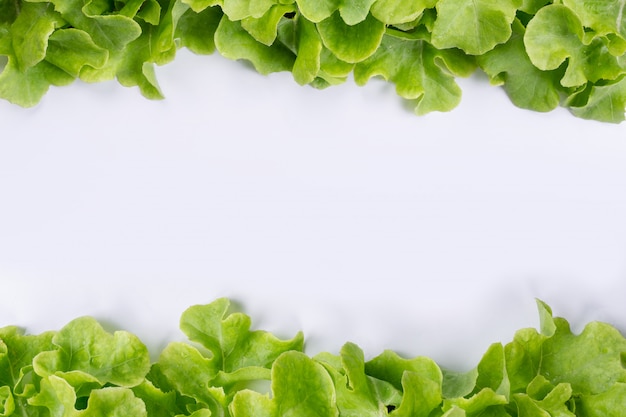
545	53
230	370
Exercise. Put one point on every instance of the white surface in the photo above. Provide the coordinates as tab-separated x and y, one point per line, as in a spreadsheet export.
337	212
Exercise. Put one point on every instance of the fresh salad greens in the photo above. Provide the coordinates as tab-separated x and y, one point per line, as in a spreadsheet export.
545	53
229	369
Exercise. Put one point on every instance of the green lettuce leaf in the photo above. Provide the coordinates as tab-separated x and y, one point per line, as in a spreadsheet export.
556	34
395	12
526	85
473	26
196	31
603	17
301	387
234	42
110	31
358	395
603	102
420	72
352	12
351	43
83	345
31	30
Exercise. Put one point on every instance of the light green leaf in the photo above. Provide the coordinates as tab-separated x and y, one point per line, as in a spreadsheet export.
234	42
474	26
110	31
523	358
302	387
351	44
458	384
73	49
136	63
317	10
188	371
199	5
113	402
352	12
27	88
82	382
545	399
606	103
419	71
555	35
603	16
355	11
247	403
157	402
395	12
241	9
265	28
486	402
547	325
591	362
229	338
83	345
31	30
422	395
492	371
355	391
7	403
17	351
57	396
610	403
531	7
527	86
309	50
390	367
196	31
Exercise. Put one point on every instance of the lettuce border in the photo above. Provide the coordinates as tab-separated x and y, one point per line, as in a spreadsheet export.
545	54
228	369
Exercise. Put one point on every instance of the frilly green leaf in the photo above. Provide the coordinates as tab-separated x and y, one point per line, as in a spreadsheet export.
473	26
419	71
83	345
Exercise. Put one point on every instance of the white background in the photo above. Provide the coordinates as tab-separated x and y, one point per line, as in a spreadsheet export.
336	212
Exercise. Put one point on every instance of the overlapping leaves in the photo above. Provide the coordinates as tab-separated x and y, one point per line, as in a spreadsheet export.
545	53
84	371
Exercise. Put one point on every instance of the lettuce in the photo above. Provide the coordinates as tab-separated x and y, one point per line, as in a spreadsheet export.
227	369
544	53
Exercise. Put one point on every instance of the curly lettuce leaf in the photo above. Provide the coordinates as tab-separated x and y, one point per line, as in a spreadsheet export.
73	49
237	355
358	395
605	102
234	42
110	31
602	16
526	85
352	12
196	30
265	28
301	387
229	338
83	345
351	43
420	72
396	12
241	9
556	35
30	32
473	26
